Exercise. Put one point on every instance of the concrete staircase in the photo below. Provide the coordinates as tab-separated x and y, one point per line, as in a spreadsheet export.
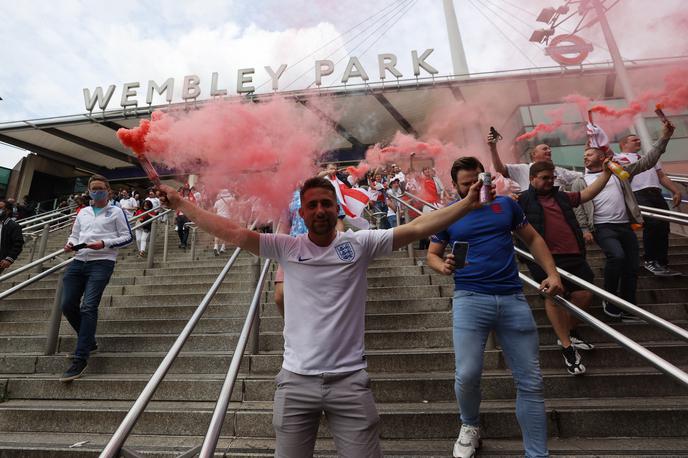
621	407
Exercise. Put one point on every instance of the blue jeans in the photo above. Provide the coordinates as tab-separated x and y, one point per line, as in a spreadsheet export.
87	279
474	316
620	246
392	221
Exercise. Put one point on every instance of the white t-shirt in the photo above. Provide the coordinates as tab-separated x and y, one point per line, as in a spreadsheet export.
520	173
397	194
222	204
155	202
129	206
325	292
610	206
646	179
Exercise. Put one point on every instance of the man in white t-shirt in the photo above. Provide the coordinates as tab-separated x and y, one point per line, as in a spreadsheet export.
608	218
647	187
223	201
520	173
325	292
128	204
153	199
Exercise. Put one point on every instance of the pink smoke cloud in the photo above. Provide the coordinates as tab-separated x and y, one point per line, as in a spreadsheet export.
259	151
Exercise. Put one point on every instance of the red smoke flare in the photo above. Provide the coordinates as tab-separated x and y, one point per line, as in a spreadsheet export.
358	172
540	128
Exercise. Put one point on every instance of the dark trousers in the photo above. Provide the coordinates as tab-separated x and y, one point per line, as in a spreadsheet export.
182	229
655	231
87	279
620	246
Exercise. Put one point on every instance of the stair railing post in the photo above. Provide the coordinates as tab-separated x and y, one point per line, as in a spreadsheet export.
410	245
166	240
44	240
193	243
253	346
33	248
151	245
53	333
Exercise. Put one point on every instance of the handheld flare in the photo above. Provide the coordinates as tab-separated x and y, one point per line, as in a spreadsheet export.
660	113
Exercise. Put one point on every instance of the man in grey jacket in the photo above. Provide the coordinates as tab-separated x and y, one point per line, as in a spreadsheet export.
609	217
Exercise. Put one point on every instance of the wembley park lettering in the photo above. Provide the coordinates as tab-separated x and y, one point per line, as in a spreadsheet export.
191	85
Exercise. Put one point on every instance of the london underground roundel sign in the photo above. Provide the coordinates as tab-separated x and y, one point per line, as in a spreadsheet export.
568	49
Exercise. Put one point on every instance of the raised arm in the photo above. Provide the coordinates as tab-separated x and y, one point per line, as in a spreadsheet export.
496	160
215	224
647	161
431	223
596	186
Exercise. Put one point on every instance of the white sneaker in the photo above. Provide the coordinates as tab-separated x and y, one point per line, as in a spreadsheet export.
468	442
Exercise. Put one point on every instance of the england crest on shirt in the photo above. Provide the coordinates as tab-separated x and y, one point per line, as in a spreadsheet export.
345	251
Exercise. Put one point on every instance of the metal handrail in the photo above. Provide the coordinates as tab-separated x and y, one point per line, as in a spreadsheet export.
213	433
407	205
50	221
114	446
663	365
664	212
45	215
53	269
406	193
670	219
621	303
678	179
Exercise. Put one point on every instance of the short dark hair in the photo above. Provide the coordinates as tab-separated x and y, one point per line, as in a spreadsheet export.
465	163
541	166
623	140
317	182
97	177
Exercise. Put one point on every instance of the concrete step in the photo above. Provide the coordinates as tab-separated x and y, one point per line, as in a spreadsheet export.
56	445
605	355
599	417
386	387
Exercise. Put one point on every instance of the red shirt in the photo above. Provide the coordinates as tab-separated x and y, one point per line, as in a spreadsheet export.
429	190
559	236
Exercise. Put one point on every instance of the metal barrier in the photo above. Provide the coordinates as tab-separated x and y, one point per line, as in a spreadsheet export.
52	269
213	434
679	179
621	303
663	365
33	219
115	445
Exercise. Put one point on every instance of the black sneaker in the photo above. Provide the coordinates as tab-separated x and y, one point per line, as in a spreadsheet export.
75	370
630	318
668	272
572	359
215	252
607	308
578	342
655	269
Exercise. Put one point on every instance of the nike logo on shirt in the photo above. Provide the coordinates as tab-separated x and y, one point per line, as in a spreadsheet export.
304	259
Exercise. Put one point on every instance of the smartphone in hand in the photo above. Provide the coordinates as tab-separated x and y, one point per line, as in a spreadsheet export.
79	246
460	251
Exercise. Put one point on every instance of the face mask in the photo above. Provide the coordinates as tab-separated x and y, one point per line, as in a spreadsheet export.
98	195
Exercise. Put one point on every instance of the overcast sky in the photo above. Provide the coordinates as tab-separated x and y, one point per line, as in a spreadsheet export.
52	50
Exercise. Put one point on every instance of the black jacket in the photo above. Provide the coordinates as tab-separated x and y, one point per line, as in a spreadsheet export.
11	240
536	215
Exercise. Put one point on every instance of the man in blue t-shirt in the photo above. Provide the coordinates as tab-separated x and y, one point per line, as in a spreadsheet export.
489	296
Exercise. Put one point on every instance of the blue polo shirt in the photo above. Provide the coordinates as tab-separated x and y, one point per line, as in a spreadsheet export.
491	262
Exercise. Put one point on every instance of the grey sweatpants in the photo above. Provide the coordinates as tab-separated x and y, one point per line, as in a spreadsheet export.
347	402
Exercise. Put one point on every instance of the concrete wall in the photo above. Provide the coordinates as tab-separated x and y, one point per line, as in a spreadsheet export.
23	173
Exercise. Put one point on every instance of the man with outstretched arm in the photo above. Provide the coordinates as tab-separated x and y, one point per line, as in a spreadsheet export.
488	295
325	293
519	173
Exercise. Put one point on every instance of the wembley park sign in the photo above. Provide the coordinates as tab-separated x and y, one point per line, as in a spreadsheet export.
191	84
